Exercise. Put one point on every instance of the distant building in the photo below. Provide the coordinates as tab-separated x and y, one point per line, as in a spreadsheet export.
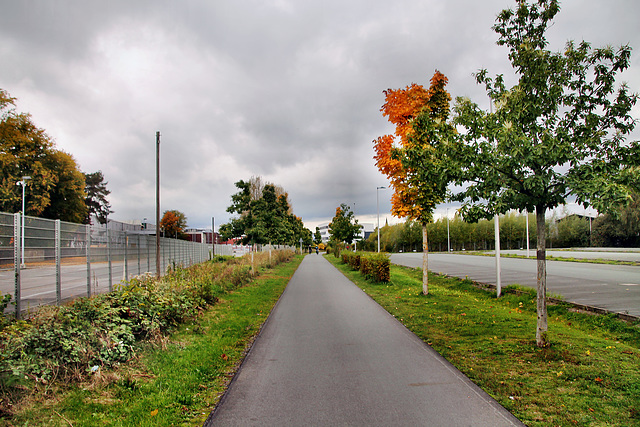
133	226
365	231
324	232
202	235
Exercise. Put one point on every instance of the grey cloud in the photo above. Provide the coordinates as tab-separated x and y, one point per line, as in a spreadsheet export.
288	90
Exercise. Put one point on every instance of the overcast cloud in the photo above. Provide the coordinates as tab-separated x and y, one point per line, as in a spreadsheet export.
288	90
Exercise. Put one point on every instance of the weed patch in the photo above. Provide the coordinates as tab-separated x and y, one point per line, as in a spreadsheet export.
89	339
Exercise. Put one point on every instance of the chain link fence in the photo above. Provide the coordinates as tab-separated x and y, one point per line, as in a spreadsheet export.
47	261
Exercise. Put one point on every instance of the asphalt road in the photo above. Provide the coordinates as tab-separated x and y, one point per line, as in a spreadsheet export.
329	355
617	254
612	287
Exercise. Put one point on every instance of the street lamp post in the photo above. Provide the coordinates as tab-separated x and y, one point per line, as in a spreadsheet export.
158	204
22	182
378	206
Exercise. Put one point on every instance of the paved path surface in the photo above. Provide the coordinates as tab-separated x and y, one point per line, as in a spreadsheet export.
612	287
329	355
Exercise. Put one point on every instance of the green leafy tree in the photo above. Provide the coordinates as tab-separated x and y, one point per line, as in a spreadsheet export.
264	215
56	187
559	131
344	227
242	225
619	231
512	230
437	232
67	197
96	200
484	233
573	231
317	237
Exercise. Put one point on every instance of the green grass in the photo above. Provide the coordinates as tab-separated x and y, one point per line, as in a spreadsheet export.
176	381
590	375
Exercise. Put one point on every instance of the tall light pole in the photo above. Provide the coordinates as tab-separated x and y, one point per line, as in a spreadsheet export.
158	204
378	206
22	182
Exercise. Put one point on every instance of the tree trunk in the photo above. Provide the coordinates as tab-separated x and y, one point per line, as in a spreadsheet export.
425	261
541	328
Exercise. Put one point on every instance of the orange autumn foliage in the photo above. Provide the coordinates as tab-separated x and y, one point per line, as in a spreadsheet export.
401	107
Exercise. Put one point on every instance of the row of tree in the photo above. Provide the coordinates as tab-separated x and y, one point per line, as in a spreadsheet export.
559	132
568	231
56	188
263	215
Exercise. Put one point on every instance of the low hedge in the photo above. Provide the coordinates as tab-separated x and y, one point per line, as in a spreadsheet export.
373	266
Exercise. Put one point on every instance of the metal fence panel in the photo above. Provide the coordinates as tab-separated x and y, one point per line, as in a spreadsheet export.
62	261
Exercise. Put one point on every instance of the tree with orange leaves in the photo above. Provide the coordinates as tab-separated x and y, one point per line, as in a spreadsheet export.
173	223
417	160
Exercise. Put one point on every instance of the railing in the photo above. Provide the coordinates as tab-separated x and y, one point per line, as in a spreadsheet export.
61	261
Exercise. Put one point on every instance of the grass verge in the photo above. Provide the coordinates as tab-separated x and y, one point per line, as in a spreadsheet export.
588	376
174	381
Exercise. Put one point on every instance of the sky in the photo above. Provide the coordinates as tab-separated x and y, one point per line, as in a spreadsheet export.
283	89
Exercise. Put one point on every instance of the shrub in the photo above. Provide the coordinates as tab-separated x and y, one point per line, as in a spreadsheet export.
4	302
66	342
378	267
374	267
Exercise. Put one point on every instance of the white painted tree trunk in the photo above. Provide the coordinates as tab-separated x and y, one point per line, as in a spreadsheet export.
541	327
425	261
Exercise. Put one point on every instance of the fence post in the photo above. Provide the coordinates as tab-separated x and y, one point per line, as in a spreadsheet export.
109	258
88	252
138	243
146	240
58	251
16	261
126	256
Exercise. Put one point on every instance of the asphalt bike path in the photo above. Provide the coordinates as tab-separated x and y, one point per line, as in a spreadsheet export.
329	355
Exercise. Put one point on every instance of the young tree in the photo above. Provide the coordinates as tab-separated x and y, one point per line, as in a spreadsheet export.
173	223
559	131
420	169
317	237
344	227
96	200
